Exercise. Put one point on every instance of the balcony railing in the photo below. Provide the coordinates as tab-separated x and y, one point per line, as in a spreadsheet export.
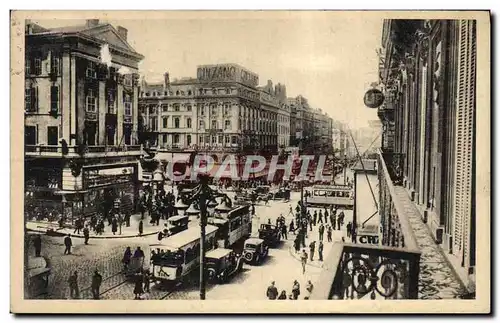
368	272
386	271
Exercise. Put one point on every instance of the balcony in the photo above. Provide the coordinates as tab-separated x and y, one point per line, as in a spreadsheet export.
390	270
89	151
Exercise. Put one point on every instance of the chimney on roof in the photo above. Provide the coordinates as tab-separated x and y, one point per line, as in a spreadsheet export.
123	32
92	22
28	27
167	80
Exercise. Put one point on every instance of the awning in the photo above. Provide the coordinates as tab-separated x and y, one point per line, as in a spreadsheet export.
177	157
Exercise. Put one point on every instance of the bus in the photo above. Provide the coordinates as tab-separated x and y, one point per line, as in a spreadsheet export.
176	256
340	196
233	226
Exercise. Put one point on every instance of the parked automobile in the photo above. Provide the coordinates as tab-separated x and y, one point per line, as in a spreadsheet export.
255	250
222	264
270	233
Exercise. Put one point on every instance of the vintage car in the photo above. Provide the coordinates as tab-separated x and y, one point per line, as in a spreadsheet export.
222	264
255	250
270	233
280	193
177	223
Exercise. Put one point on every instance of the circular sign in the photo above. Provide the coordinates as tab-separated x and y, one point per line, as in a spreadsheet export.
373	98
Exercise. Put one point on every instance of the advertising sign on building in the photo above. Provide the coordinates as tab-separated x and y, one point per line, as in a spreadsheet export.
227	73
106	176
373	98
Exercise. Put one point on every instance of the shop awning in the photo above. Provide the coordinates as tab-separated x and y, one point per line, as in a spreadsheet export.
168	157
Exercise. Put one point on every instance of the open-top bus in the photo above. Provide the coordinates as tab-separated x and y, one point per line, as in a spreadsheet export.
341	196
178	255
233	226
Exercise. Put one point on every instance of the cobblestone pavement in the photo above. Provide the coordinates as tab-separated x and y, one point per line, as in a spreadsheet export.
103	255
437	279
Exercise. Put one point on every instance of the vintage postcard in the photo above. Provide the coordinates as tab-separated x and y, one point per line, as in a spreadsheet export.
250	162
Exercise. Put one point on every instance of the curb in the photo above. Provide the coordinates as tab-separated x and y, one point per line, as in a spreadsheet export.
97	237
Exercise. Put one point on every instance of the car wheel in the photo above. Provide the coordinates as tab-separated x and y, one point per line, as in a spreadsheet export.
248	256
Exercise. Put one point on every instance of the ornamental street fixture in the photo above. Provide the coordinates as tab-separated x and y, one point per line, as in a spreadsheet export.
373	98
204	198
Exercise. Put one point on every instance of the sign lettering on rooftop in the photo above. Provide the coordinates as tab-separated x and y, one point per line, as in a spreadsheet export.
227	73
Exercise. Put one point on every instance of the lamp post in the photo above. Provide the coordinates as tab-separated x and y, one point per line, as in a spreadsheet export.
205	197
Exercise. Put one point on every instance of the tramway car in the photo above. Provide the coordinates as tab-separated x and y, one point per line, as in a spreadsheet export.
341	196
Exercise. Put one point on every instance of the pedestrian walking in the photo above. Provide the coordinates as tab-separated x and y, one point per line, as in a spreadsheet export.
139	280
86	235
141	227
296	243
77	227
296	290
68	244
138	253
320	217
272	291
147	281
96	284
37	242
290	212
303	260
321	231
326	216
126	258
292	227
329	233
127	219
284	231
73	285
332	219
348	229
320	251
309	289
338	223
114	225
315	217
312	247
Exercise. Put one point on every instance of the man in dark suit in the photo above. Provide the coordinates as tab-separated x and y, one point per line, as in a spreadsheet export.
68	243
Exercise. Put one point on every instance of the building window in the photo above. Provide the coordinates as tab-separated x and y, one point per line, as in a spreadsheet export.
152	109
177	93
189	92
214	124
227	125
164	139
188	140
128	135
54	64
127	105
188	108
213	109
91	70
164	108
176	139
52	136
227	110
221	139
176	123
154	124
233	140
111	101
148	94
228	139
165	122
176	107
30	135
31	99
202	125
38	65
27	66
54	99
188	123
214	139
91	101
127	80
202	110
110	135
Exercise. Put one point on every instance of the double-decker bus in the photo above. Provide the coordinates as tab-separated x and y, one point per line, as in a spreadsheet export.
233	226
341	196
178	255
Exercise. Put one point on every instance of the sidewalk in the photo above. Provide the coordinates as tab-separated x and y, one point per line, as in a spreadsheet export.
126	232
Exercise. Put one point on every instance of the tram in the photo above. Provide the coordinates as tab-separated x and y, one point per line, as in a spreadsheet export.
178	255
341	196
232	226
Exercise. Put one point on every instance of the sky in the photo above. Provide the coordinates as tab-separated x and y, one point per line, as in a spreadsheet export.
330	60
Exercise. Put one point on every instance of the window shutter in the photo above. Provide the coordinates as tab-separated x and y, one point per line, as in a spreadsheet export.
466	78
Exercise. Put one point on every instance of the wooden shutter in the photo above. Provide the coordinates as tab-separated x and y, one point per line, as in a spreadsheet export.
466	104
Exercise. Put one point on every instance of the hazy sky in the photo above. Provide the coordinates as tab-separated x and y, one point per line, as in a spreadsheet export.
328	60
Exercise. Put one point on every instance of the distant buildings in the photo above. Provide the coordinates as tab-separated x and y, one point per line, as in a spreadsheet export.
81	109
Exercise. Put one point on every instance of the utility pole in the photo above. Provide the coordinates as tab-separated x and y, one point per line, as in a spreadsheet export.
345	168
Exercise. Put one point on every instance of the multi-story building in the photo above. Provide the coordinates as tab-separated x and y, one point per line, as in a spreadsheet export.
220	111
428	118
81	145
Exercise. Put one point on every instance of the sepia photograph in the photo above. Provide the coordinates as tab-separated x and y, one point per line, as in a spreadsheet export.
219	161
